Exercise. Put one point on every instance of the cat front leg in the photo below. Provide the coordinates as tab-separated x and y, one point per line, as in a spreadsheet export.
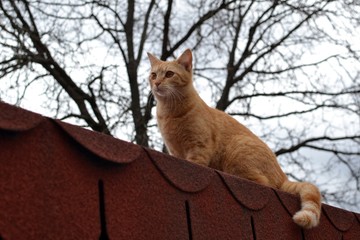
198	158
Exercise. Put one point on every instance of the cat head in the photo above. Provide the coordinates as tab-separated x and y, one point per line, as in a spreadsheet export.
169	79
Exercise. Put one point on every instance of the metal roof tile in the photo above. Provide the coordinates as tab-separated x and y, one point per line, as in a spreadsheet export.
249	194
290	202
341	219
103	145
184	175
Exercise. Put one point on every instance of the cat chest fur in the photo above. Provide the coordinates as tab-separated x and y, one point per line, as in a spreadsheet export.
184	134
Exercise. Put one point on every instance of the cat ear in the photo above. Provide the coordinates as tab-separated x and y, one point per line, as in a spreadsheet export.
153	60
186	60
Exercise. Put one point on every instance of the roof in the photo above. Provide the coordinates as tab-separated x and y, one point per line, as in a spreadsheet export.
60	181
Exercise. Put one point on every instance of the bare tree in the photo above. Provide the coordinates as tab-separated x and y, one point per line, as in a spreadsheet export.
256	60
123	31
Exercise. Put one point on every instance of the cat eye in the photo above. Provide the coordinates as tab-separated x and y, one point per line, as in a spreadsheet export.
153	75
169	74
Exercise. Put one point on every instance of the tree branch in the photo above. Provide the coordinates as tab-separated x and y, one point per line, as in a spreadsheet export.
305	143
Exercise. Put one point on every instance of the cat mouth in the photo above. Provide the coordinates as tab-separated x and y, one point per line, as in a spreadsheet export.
159	92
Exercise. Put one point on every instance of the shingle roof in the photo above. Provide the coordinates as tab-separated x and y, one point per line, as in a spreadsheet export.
59	181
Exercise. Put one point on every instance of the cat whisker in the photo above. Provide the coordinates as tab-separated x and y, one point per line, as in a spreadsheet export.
176	93
175	96
172	101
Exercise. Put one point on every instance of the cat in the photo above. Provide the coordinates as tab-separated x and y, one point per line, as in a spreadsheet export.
194	131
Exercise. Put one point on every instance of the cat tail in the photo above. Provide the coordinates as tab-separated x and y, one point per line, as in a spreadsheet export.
309	214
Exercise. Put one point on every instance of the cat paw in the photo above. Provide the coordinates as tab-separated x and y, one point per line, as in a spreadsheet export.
306	219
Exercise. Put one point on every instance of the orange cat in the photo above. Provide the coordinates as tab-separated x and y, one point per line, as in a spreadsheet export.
192	130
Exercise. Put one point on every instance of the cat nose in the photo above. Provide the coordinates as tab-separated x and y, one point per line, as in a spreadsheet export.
157	84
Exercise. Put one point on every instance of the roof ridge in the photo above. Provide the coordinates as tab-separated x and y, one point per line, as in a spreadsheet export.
14	118
101	144
184	175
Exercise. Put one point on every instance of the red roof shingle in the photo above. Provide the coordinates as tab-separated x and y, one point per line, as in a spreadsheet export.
59	181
